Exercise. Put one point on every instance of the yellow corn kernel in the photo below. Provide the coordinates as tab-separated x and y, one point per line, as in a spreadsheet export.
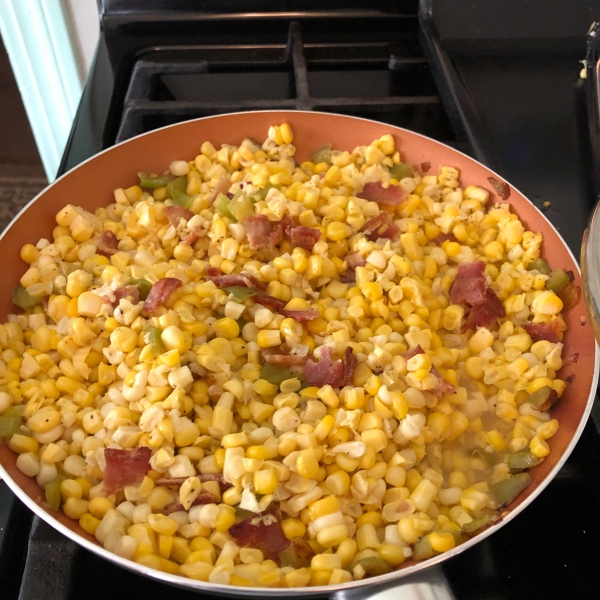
293	528
441	542
539	447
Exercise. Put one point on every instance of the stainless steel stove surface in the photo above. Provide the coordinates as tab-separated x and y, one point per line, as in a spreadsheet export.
491	79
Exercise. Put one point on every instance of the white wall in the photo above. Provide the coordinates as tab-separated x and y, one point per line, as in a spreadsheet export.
50	44
83	15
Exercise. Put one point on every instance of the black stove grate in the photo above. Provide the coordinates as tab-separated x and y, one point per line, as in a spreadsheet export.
385	80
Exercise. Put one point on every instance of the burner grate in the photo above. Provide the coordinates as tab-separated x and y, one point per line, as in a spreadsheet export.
387	81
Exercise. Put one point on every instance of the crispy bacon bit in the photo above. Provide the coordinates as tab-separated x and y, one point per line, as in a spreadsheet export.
574	358
304	237
125	467
261	232
570	296
381	226
348	367
485	314
284	360
107	244
241	280
469	284
413	352
263	532
440	239
545	331
174	214
374	191
353	260
582	321
500	187
329	372
222	187
300	315
132	291
202	498
269	301
443	387
570	378
160	293
425	166
192	236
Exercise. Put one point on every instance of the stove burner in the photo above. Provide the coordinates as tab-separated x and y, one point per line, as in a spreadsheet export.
387	81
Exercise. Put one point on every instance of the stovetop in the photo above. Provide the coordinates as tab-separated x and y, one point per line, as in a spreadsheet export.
504	92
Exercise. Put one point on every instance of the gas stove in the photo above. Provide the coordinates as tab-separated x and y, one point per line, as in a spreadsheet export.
498	80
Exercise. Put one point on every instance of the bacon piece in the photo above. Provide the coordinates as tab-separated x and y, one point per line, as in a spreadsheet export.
327	371
469	284
304	237
353	260
261	232
269	301
545	331
381	226
124	292
222	187
192	236
413	352
284	360
485	314
125	467
241	280
160	293
202	498
348	276
440	239
425	166
348	367
300	315
107	244
500	187
374	191
570	295
174	214
263	532
443	387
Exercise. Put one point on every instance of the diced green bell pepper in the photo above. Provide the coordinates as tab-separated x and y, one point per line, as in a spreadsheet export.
222	206
177	190
401	170
153	183
22	298
240	293
143	285
504	492
373	566
10	423
322	155
275	374
558	281
540	265
241	207
522	460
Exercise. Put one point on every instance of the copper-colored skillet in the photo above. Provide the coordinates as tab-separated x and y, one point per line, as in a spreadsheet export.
91	185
